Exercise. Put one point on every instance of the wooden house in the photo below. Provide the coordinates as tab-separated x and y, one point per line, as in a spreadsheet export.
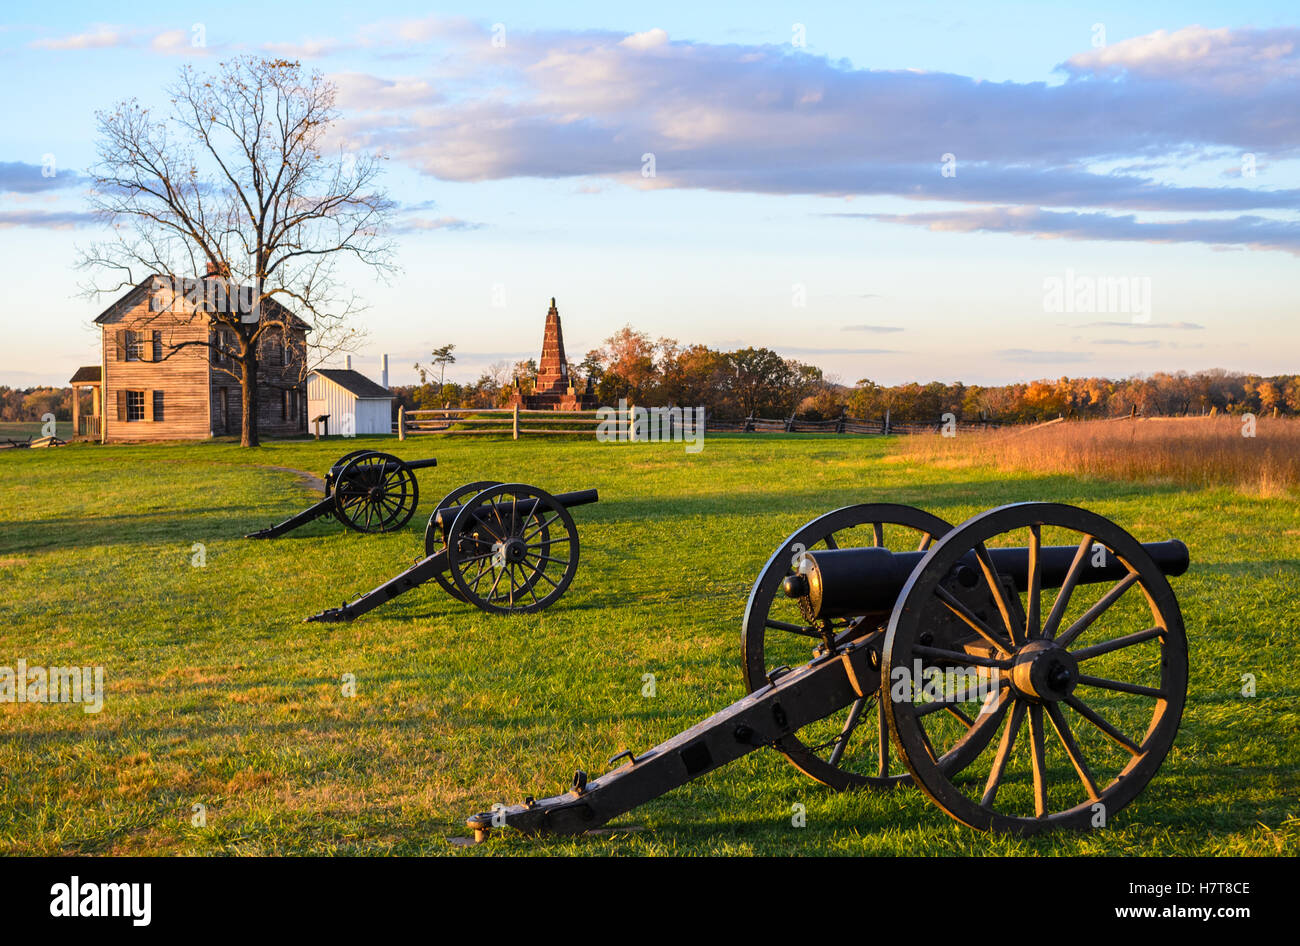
158	381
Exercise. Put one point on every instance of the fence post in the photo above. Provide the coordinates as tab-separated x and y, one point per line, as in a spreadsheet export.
516	427
401	422
631	423
844	413
886	421
749	424
789	423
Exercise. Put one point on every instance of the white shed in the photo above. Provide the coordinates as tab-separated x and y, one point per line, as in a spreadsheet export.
351	400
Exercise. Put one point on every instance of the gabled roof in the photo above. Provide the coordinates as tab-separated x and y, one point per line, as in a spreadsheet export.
354	382
140	293
87	374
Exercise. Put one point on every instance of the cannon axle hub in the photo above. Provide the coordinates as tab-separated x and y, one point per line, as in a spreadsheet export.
1043	670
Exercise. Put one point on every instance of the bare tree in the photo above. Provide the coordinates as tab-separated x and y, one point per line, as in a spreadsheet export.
234	181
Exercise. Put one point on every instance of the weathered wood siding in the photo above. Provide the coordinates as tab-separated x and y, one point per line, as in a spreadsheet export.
275	417
195	397
177	384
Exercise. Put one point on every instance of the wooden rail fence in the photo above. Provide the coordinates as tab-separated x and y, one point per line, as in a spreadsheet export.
517	422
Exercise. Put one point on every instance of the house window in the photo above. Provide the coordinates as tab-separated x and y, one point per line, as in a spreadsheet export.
223	346
157	346
157	404
134	347
135	405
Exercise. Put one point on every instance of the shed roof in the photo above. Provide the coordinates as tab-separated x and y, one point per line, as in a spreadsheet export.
87	374
354	382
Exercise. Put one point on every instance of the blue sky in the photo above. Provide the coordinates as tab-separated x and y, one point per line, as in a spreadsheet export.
799	199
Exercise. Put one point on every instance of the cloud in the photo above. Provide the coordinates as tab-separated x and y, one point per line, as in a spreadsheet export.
870	328
768	119
1184	326
1033	356
1197	55
167	42
1137	343
787	350
424	224
46	219
21	178
100	37
307	49
1243	231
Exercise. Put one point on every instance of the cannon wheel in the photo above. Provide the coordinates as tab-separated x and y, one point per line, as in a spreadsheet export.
433	534
1119	664
828	759
375	492
337	466
500	559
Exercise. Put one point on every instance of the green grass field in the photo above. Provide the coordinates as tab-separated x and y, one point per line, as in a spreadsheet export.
217	694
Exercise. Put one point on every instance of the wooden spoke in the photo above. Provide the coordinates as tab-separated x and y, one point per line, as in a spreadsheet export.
1072	750
1120	687
959	715
960	657
1128	640
792	628
1003	754
1096	611
934	706
1096	719
540	528
842	740
1038	756
1033	614
546	558
926	541
1067	588
878	534
966	614
994	580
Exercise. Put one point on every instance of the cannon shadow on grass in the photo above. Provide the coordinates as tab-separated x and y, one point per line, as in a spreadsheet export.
616	508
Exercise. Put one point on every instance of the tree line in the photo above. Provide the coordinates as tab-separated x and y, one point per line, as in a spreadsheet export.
27	404
632	365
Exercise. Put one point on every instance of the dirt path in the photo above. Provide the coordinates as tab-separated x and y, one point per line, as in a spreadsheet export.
309	480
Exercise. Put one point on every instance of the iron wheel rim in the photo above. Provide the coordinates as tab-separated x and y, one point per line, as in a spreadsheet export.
481	543
376	492
757	621
1034	722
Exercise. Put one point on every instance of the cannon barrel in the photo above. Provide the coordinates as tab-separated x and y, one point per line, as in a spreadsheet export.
852	582
444	515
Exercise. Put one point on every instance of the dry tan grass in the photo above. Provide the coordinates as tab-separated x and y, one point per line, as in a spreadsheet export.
1196	451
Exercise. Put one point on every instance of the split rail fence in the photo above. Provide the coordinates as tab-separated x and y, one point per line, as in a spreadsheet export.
516	422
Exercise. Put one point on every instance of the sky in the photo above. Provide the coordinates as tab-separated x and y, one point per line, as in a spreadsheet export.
889	191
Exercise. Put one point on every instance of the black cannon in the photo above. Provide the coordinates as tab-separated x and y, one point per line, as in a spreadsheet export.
945	638
505	548
365	490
